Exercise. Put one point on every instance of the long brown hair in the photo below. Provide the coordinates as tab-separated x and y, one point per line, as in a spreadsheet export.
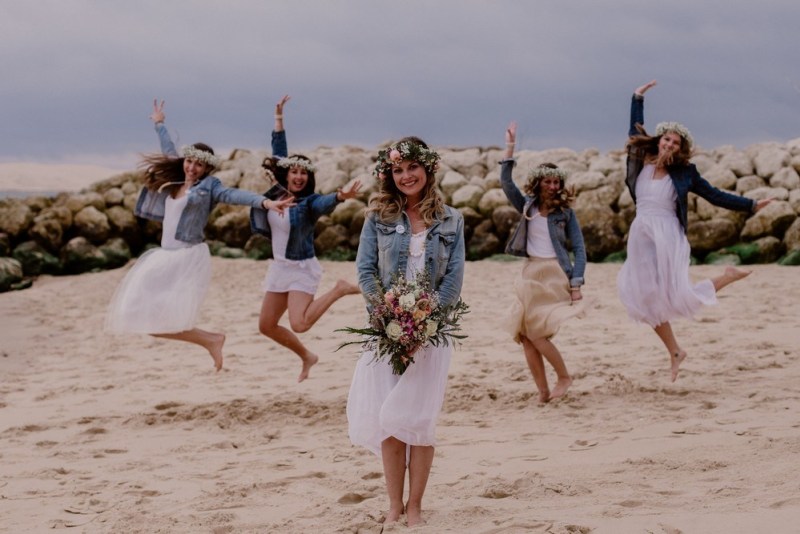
165	171
648	145
389	202
563	197
281	173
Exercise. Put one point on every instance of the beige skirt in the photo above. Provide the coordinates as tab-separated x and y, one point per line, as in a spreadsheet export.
543	300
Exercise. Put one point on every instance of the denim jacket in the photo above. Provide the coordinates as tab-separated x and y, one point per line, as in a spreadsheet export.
562	224
684	178
302	217
203	196
383	251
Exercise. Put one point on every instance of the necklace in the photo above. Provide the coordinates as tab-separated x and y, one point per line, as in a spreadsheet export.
419	250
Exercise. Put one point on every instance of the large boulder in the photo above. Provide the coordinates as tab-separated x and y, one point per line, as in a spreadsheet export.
761	193
738	162
346	211
80	256
585	181
113	196
116	252
705	236
484	242
791	238
48	232
233	227
504	219
258	247
451	182
491	200
333	237
748	183
124	224
600	233
92	224
467	196
467	162
770	160
794	200
787	178
5	244
10	273
721	177
76	203
35	259
773	219
15	217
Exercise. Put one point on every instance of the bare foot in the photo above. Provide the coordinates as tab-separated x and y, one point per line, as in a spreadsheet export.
343	287
677	360
414	516
562	385
393	516
308	363
215	348
731	275
544	396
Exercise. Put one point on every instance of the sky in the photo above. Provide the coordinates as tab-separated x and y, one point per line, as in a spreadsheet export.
80	75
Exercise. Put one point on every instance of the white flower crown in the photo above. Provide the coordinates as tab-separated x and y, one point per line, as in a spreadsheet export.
678	128
294	161
200	155
541	172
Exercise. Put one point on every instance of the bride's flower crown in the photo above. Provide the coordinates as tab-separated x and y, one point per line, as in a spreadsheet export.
678	128
191	152
294	161
406	151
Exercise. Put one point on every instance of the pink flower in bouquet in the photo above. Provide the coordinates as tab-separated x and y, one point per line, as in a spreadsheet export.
419	315
395	156
389	297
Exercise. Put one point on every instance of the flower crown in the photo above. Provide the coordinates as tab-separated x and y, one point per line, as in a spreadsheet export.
406	151
542	171
294	161
678	128
191	152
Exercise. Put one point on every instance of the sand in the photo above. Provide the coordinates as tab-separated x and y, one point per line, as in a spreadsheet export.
135	434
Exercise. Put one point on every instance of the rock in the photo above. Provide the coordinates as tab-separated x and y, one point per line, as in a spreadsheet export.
738	162
230	177
760	193
604	164
124	224
794	200
451	182
599	227
791	238
748	183
113	197
467	196
484	242
504	219
770	160
795	162
332	237
705	210
718	258
80	256
471	221
346	211
492	180
15	217
584	181
491	200
773	219
770	249
792	258
467	162
5	244
233	228
786	178
616	257
48	232
605	195
705	236
258	247
35	259
92	224
254	180
10	273
76	203
230	253
116	252
720	177
703	162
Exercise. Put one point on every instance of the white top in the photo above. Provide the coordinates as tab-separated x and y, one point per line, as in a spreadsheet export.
655	197
173	208
539	243
416	254
279	226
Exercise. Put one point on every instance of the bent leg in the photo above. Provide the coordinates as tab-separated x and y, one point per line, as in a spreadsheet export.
419	469
536	365
552	354
676	353
210	341
272	309
305	310
393	452
730	276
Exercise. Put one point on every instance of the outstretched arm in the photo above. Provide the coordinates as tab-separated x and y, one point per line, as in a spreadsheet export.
158	117
279	146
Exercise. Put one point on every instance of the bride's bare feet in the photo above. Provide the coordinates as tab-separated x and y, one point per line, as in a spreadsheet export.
677	359
215	349
562	385
414	516
343	287
393	516
308	362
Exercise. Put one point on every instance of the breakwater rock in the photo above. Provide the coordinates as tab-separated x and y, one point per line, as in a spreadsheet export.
96	228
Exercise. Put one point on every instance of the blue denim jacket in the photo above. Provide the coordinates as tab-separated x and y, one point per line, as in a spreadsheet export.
203	196
684	178
562	225
383	251
302	217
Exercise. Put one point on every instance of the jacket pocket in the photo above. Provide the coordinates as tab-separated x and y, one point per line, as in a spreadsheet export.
386	234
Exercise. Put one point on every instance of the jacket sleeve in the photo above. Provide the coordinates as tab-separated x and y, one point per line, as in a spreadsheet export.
167	146
367	259
723	199
323	204
575	236
279	146
637	114
450	288
511	190
232	195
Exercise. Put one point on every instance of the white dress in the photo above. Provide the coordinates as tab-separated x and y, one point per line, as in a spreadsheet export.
654	283
288	275
164	289
382	404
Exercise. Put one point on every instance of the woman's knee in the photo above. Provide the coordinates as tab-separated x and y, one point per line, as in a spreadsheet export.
299	325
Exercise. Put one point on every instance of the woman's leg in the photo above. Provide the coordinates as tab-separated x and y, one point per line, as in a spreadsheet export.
551	353
210	341
676	353
272	308
730	276
393	452
305	310
536	365
419	469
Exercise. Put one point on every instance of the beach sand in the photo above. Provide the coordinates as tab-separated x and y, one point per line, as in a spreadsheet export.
136	434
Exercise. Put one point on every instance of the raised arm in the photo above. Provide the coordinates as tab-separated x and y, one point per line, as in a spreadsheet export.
637	106
511	190
279	147
158	117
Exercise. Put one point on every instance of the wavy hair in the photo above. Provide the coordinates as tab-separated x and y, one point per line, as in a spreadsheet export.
281	173
162	171
648	144
563	197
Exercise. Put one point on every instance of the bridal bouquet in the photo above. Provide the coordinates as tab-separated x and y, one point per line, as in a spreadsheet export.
404	318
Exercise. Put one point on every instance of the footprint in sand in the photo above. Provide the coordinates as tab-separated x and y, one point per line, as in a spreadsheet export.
372	476
582	445
354	498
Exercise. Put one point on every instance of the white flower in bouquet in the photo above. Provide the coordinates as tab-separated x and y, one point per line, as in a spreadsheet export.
431	328
394	330
408	301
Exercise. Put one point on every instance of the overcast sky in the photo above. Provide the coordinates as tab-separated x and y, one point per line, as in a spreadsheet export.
79	76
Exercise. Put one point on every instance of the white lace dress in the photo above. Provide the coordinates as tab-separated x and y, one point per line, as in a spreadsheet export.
654	283
163	291
382	404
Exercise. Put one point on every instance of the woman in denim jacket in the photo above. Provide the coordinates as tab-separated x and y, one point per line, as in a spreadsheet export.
654	283
294	275
162	293
549	290
408	229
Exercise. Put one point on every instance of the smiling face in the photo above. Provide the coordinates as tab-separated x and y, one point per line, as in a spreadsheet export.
549	186
669	144
194	169
296	179
410	178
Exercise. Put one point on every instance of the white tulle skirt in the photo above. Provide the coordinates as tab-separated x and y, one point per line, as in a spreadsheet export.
407	406
289	275
654	284
162	292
